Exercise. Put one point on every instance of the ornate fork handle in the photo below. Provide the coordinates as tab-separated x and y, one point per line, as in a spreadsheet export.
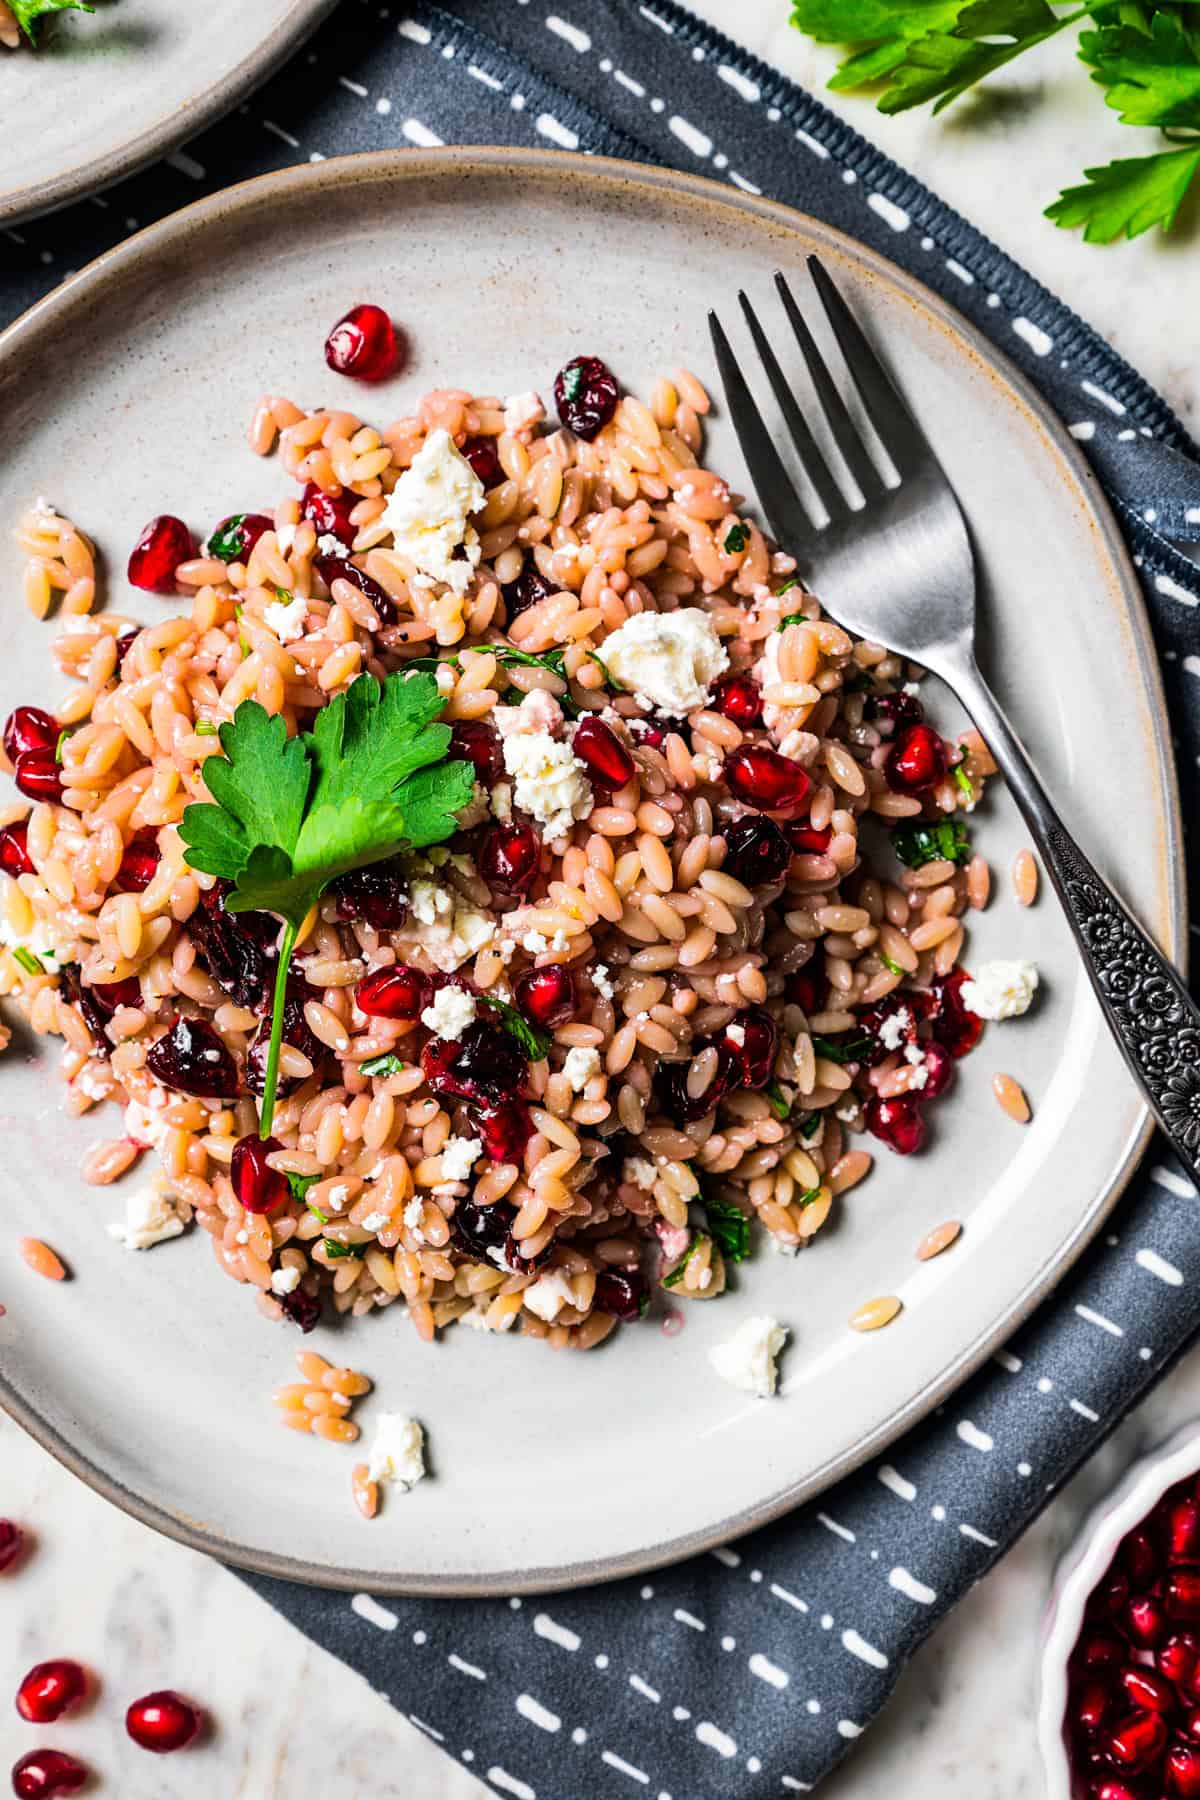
1152	1016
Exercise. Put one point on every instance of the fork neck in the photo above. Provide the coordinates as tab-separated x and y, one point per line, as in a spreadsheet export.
964	676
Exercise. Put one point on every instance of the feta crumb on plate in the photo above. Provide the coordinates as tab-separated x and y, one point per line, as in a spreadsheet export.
579	1067
150	1218
668	660
453	1009
747	1359
397	1454
428	509
1000	990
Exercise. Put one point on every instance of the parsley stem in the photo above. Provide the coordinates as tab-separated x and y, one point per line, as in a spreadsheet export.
271	1083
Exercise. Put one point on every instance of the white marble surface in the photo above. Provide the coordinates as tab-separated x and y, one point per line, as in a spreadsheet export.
291	1723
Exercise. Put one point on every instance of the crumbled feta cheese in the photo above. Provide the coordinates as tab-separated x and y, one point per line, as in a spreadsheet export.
375	1221
459	1156
580	1066
285	537
736	1034
143	1124
413	1211
506	949
426	900
243	1236
285	1281
848	1111
669	660
895	1029
1001	990
501	802
643	1174
286	618
428	510
397	1454
329	544
559	942
453	1009
447	927
150	1218
535	943
550	783
538	711
747	1359
549	1294
521	410
601	980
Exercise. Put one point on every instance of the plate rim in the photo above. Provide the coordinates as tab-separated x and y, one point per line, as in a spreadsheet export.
194	115
409	164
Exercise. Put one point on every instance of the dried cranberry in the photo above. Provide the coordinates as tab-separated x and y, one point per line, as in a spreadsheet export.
114	994
191	1058
164	544
586	395
1145	1689
139	865
340	568
1181	1594
235	537
939	1070
897	1122
302	1309
604	755
37	774
49	1690
952	1023
258	1187
396	992
509	857
894	709
12	1542
738	697
529	587
805	987
1181	1772
95	1015
14	849
1178	1657
480	452
29	728
485	1064
1140	1557
329	516
47	1774
231	944
1136	1741
1090	1704
621	1292
756	851
296	1032
163	1721
377	894
671	1083
505	1128
763	778
479	744
478	1229
808	840
547	996
917	760
363	344
753	1037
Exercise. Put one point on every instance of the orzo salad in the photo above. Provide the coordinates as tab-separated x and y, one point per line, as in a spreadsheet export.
457	881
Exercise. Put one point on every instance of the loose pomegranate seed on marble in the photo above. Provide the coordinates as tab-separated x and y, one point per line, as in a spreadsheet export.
340	568
1181	1772
164	544
480	452
49	1690
377	894
738	697
757	853
139	865
586	395
258	1187
508	857
397	992
12	1542
602	753
763	778
330	517
29	728
505	1128
917	760
897	1123
191	1058
47	1774
38	775
546	996
162	1721
621	1292
1136	1741
14	849
529	587
363	344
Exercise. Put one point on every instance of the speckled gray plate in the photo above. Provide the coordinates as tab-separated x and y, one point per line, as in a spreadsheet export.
151	1375
108	92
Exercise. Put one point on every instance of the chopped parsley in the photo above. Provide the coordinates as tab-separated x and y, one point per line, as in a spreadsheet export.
572	380
736	539
226	542
963	780
850	1049
791	582
730	1229
780	1105
28	12
205	728
243	640
807	1198
63	735
919	843
298	1186
809	1127
534	1042
335	1251
28	961
790	619
387	1064
676	1276
893	968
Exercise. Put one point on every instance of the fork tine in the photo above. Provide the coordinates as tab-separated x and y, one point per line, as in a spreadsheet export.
772	483
899	432
844	430
811	460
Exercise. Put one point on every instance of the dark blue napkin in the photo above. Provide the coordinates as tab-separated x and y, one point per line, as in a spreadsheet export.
749	1671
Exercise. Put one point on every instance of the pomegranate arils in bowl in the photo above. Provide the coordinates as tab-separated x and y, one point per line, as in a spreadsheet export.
1144	1621
1140	1557
164	544
363	344
763	778
917	760
1183	1530
47	1774
257	1186
586	395
29	728
602	753
49	1690
1181	1772
163	1721
1178	1657
1136	1741
37	774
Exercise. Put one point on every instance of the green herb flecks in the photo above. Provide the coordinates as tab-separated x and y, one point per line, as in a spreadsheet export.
808	1128
243	640
383	1066
677	1273
226	542
29	13
779	1103
736	539
572	381
298	1186
61	739
918	843
31	964
204	728
790	619
851	1049
335	1251
534	1042
893	968
729	1228
791	582
807	1198
962	780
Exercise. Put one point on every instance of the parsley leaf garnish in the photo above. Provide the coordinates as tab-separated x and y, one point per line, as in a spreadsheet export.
736	539
299	1185
534	1042
387	1064
28	12
963	780
729	1228
63	735
291	814
1128	196
917	844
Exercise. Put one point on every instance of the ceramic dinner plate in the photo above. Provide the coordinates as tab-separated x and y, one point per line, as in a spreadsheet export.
108	92
151	1375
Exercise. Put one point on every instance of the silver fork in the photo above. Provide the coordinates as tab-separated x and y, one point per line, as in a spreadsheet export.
900	571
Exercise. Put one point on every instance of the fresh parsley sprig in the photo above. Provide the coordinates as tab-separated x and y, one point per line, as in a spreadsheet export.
28	13
289	815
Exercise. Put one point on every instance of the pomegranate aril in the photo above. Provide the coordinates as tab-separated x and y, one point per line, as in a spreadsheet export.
378	894
478	1229
340	568
113	994
47	1774
509	856
329	516
1191	1724
1107	1599
529	587
49	1690
164	544
29	728
38	775
1144	1621
505	1128
671	1082
14	850
1136	1741
586	395
484	1065
916	762
480	452
397	992
1181	1594
738	697
476	742
139	865
807	840
232	946
763	778
258	1187
893	709
602	753
192	1059
753	1036
363	344
1178	1657
547	996
897	1123
1147	1690
162	1721
757	853
805	987
301	1308
1099	1651
1183	1530
1181	1772
12	1541
951	1022
1140	1557
126	641
621	1292
939	1070
235	537
1111	1787
1090	1704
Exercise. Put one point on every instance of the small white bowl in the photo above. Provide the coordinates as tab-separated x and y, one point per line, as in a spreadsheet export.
1077	1574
